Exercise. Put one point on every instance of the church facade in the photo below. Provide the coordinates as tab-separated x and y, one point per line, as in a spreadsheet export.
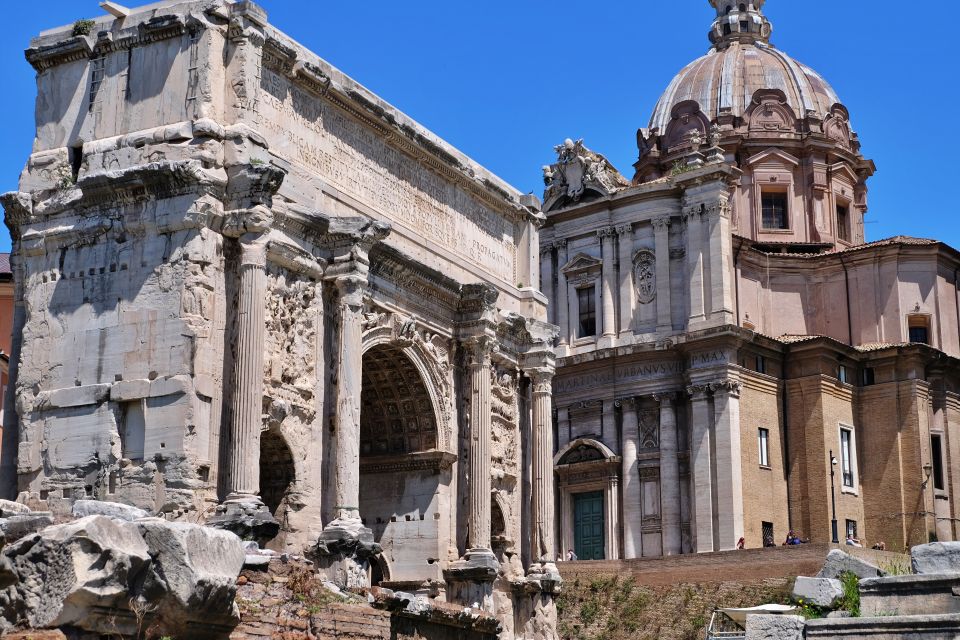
252	293
734	360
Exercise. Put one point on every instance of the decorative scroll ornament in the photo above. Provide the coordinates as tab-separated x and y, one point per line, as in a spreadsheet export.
577	171
645	276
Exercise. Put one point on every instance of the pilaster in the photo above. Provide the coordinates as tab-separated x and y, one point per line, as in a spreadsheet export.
627	296
701	469
546	283
669	475
697	311
721	251
607	237
661	232
562	312
729	489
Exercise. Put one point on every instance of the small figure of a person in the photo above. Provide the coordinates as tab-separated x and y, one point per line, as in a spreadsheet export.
741	543
571	556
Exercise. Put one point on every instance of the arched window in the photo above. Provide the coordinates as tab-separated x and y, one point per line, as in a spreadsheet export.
743	7
729	9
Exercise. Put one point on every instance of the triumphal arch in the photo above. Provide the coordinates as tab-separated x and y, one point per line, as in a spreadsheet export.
252	293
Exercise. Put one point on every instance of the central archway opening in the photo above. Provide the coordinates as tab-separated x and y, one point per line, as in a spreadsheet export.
277	473
404	484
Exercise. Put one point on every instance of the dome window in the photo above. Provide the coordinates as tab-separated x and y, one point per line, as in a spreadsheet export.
743	8
744	26
843	222
727	30
729	9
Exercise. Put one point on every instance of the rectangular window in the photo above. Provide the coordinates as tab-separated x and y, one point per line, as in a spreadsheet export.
936	452
764	438
851	528
918	327
587	307
842	374
846	457
761	365
843	222
869	377
775	210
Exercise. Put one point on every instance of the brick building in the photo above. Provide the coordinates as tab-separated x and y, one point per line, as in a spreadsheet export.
725	327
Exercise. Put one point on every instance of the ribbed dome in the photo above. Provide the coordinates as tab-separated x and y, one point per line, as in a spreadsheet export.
740	64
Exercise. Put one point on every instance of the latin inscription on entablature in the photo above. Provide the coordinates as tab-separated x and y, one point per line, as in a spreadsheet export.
704	359
311	132
621	375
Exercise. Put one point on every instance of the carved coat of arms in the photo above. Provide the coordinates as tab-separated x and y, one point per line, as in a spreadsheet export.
645	276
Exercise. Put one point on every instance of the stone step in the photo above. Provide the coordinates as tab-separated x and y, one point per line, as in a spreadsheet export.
918	627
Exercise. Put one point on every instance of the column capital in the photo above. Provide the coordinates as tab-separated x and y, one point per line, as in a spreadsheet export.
606	232
629	402
624	229
719	208
691	211
661	223
560	244
546	249
542	378
665	397
699	391
253	250
481	349
240	223
727	387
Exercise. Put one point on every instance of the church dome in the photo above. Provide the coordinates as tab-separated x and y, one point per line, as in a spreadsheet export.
741	62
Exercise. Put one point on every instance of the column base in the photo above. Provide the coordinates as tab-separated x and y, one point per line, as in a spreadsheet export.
470	579
247	517
543	578
344	551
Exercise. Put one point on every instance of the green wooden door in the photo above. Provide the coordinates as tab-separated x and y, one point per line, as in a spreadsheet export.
588	525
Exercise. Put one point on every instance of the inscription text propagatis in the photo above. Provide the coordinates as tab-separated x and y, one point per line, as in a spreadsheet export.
317	135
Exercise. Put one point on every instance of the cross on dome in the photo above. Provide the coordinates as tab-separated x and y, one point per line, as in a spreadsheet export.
739	21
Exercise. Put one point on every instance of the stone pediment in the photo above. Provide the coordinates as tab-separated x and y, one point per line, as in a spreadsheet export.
581	263
773	155
841	168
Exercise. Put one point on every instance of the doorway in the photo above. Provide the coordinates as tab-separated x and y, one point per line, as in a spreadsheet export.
588	525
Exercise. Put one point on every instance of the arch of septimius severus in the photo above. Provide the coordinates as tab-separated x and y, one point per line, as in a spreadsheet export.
252	292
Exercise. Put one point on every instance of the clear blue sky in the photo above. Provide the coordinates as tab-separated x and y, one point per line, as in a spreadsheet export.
506	81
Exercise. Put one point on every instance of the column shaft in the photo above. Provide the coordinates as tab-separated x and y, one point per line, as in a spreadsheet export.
479	461
661	229
608	276
632	540
729	487
244	476
627	296
669	477
544	547
695	263
700	467
349	385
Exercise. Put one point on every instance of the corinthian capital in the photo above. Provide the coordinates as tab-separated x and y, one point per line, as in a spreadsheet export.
662	223
729	387
606	232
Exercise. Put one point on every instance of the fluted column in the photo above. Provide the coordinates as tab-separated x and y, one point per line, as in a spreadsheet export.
669	476
661	232
544	546
700	467
608	276
729	489
695	262
563	293
478	518
632	539
350	288
721	271
627	296
247	403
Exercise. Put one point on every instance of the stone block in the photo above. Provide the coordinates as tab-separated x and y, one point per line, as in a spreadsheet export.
839	562
127	390
193	578
74	574
16	527
115	510
9	508
936	558
910	595
764	627
75	396
822	592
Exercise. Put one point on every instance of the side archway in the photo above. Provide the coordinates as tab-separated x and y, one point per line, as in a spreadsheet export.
588	476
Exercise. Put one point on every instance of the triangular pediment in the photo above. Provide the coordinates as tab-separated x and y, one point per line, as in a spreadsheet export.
843	169
581	262
773	155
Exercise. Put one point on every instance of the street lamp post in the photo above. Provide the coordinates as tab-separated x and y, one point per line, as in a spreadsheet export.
833	499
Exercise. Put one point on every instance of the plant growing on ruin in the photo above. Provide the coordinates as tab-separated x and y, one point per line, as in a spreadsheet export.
851	594
83	27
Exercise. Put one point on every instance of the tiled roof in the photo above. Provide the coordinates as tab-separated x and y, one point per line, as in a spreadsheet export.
880	346
5	263
886	242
